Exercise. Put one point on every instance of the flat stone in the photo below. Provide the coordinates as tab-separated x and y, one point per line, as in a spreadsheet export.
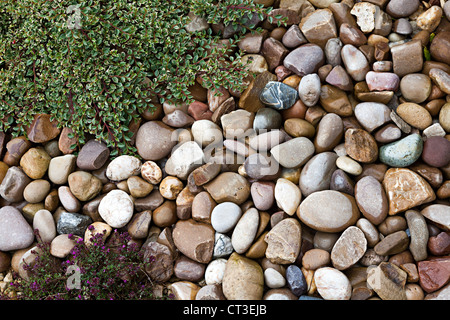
237	124
293	153
419	234
225	216
267	119
316	258
349	248
441	79
388	133
178	119
415	115
371	199
339	78
328	211
274	52
316	174
372	115
266	140
161	269
388	281
436	151
392	244
296	127
62	244
335	100
306	59
261	166
243	279
206	132
15	232
440	45
278	95
283	241
194	239
329	132
382	81
332	284
36	191
406	189
403	152
402	8
293	37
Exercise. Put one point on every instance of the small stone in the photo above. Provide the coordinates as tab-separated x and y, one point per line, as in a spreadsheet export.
138	187
185	159
316	258
44	223
68	200
407	57
35	162
237	124
84	186
278	95
317	172
309	89
332	284
372	115
273	279
161	269
42	129
123	167
188	269
433	274
36	191
293	37
348	165
439	245
139	225
441	79
335	100
415	87
15	232
274	52
116	208
287	196
402	153
170	187
267	119
360	145
371	199
349	248
154	140
72	223
388	133
266	140
178	119
296	280
306	59
436	151
406	189
339	78
382	81
438	214
328	211
263	194
206	132
340	181
93	155
430	19
62	245
332	51
243	279
388	281
283	241
225	216
60	168
214	271
222	246
249	99
151	172
319	26
415	115
355	62
402	8
293	153
440	45
244	232
229	186
199	111
296	127
419	234
15	149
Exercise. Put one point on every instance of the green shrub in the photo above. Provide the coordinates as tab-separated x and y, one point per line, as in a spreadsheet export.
96	65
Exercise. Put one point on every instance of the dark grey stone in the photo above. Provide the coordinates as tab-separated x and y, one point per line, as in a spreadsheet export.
73	223
278	95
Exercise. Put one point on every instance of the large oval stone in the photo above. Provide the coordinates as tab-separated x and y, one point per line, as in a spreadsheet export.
328	211
406	189
403	152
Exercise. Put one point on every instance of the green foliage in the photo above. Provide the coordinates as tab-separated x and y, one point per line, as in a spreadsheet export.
96	65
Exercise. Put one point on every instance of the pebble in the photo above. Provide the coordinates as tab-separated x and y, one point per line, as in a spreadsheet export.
116	208
225	216
349	248
335	100
222	245
316	258
355	62
287	196
185	159
436	151
415	87
243	279
309	89
304	60
329	132
296	127
35	162
403	152
360	145
36	191
433	274
267	119
371	199
44	223
328	211
60	168
244	232
438	214
316	173
273	279
332	284
278	95
72	223
84	186
382	81
263	194
68	200
214	271
415	115
372	115
154	140
283	241
319	26
123	167
388	281
293	153
62	244
93	155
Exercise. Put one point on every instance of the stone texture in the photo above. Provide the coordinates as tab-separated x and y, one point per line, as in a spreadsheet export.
407	58
349	248
433	273
388	281
13	184
306	59
278	95
123	167
244	232
403	152
287	196
116	208
283	241
371	199
249	99
293	153
15	232
42	129
332	284
419	234
229	186
319	26
93	155
154	140
406	189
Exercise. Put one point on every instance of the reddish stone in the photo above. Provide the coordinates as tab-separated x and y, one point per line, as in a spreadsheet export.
434	273
42	129
440	245
65	142
282	72
199	111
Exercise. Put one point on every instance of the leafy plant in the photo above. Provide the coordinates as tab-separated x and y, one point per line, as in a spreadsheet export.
96	65
107	270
